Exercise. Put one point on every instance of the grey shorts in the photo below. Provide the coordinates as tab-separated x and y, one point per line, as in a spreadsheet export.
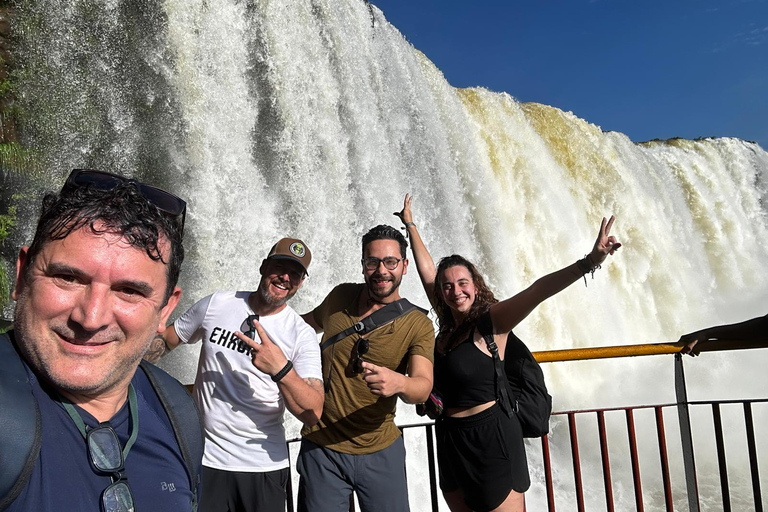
328	479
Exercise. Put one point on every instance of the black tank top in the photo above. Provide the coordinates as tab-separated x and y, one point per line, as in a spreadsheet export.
464	377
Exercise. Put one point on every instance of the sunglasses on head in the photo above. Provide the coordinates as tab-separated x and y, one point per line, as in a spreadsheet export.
165	201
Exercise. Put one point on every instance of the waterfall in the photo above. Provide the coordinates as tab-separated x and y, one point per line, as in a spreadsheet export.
314	119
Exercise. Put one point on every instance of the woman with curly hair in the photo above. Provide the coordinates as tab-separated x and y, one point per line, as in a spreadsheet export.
480	449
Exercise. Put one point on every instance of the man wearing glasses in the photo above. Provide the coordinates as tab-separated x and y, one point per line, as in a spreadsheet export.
95	286
244	386
356	446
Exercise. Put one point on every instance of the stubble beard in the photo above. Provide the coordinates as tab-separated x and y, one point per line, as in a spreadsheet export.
42	354
383	294
271	300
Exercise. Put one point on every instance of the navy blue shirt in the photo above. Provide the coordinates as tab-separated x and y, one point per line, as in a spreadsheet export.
63	479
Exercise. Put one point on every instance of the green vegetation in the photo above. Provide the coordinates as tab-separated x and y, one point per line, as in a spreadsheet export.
7	221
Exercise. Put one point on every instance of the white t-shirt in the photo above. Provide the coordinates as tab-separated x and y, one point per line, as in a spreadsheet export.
241	406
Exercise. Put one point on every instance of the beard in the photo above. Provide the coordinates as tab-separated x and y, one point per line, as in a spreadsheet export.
383	293
270	299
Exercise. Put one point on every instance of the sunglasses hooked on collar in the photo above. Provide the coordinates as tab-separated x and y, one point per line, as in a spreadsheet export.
361	348
251	332
101	180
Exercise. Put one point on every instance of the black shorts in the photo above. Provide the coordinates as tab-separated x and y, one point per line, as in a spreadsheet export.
483	456
243	492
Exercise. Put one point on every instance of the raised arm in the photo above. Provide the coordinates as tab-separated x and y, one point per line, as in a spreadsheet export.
162	344
510	312
749	330
424	263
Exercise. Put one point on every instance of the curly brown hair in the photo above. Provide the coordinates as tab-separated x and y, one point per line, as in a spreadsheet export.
450	334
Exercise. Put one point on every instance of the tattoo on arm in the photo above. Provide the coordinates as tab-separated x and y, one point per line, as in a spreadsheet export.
315	384
157	349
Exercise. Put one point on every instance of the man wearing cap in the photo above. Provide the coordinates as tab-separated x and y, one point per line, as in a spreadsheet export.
243	386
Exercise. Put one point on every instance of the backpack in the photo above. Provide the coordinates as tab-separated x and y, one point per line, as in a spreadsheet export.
21	429
520	385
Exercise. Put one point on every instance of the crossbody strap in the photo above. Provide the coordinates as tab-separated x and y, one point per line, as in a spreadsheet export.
485	326
500	377
376	319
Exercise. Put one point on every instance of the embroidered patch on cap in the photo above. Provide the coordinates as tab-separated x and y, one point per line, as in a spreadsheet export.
297	249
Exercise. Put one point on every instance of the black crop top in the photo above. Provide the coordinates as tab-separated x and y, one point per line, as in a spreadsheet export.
464	377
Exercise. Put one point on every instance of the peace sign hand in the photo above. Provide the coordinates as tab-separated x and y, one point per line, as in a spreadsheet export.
265	355
605	244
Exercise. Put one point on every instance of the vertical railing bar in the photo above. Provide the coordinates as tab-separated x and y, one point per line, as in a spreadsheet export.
431	464
548	473
289	486
635	464
686	437
576	462
664	458
607	482
753	456
721	462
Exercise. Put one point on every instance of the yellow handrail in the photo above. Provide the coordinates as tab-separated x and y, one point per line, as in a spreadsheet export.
648	349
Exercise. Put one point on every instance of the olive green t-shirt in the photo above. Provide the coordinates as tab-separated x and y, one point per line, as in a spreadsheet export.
354	420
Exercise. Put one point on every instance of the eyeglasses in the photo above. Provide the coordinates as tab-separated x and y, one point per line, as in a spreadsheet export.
165	201
106	456
361	348
390	262
251	332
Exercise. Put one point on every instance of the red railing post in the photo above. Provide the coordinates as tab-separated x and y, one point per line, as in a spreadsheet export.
548	473
576	462
664	458
607	482
635	461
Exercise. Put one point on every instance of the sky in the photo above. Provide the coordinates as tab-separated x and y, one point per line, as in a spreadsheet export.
649	69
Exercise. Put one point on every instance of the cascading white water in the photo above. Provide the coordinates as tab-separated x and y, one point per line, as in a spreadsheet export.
313	119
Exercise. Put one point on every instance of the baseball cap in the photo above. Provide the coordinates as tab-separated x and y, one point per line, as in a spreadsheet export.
292	249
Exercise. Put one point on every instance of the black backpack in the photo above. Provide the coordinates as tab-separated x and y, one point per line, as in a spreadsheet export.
20	427
520	385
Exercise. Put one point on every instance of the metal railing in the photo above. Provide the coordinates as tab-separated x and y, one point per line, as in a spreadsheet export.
683	442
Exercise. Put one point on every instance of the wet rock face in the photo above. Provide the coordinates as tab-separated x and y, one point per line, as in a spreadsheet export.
7	128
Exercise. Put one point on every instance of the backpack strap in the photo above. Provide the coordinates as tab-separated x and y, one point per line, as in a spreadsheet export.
20	424
185	420
375	320
485	327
